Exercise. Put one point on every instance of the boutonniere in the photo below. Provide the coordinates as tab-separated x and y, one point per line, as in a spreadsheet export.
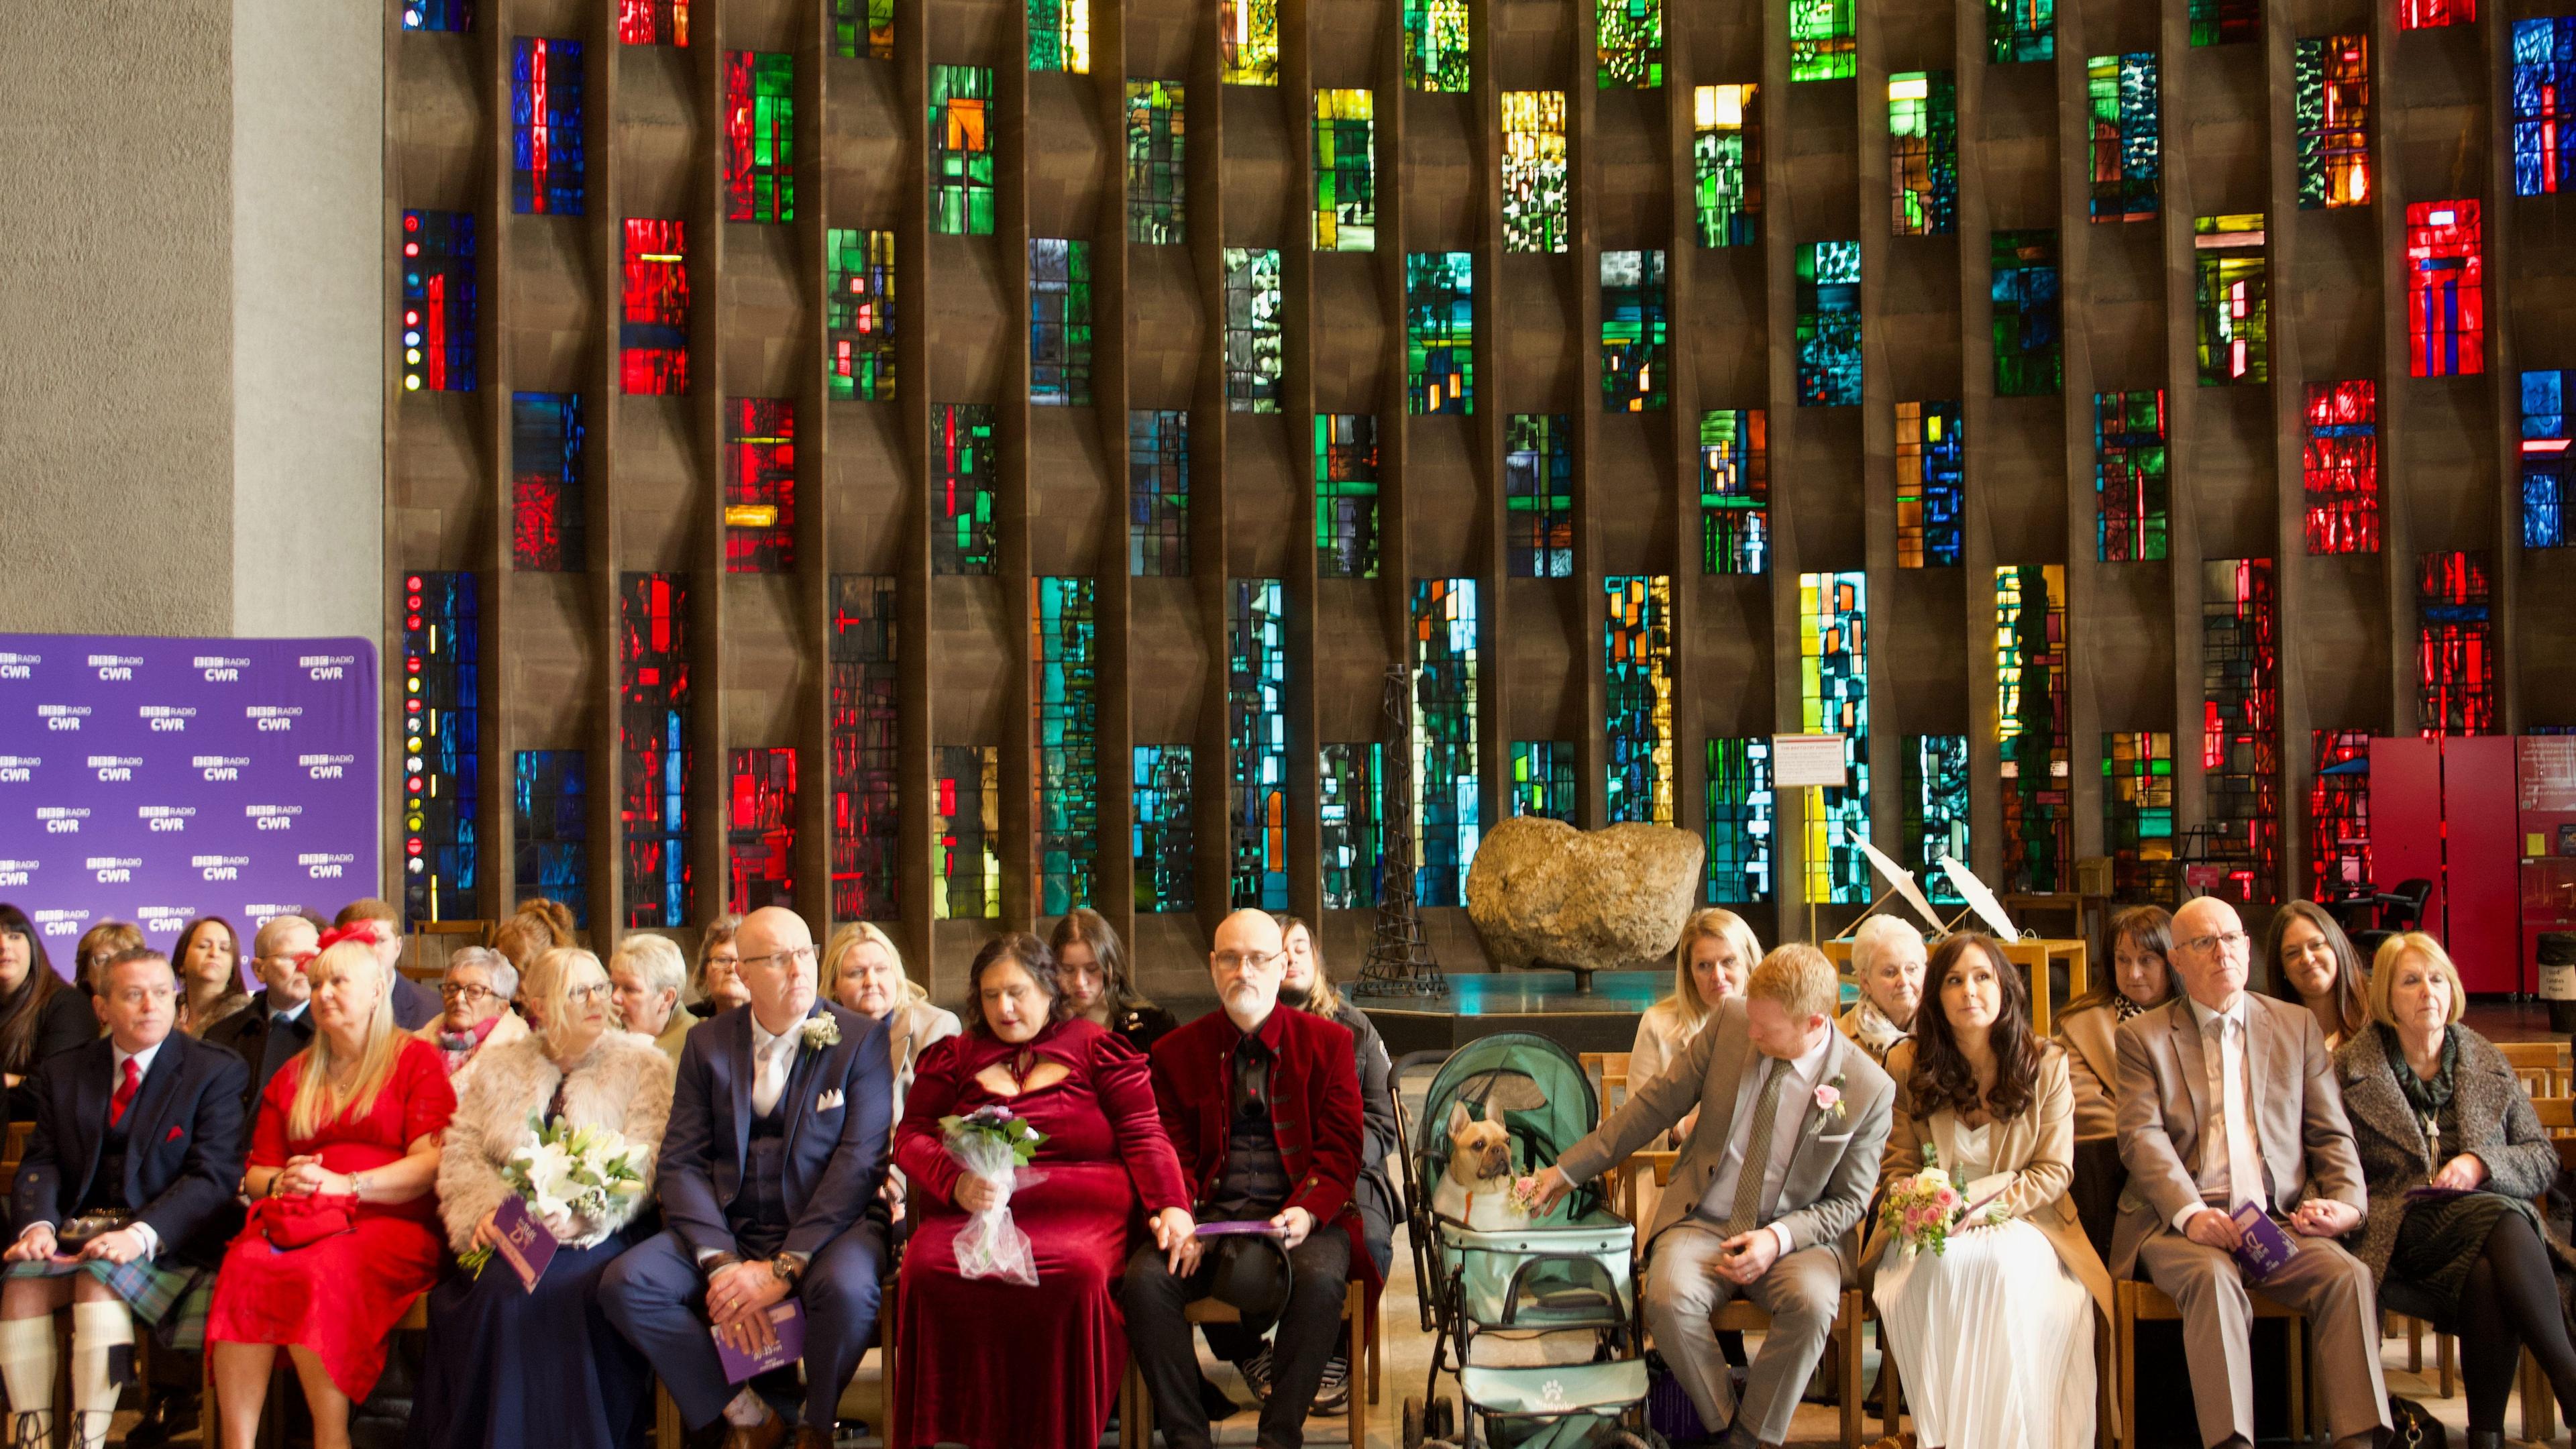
1829	1100
820	1032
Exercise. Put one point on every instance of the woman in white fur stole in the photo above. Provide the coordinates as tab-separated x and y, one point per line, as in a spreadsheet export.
508	1364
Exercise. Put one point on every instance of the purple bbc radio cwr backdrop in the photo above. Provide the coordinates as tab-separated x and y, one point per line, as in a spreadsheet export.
158	780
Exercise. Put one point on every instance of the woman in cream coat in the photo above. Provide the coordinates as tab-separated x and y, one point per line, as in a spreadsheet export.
866	975
1994	1337
541	1366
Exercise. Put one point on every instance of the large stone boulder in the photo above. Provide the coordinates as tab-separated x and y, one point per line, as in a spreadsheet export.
1544	894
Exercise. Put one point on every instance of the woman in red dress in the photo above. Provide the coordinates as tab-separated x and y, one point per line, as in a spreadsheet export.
343	1234
963	1374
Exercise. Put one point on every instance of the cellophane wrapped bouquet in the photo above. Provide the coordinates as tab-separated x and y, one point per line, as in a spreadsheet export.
572	1177
1919	1210
996	1146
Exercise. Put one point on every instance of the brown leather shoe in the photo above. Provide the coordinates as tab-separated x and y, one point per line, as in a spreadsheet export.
769	1433
809	1437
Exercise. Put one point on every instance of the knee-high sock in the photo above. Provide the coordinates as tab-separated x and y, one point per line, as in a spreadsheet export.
98	1329
27	1362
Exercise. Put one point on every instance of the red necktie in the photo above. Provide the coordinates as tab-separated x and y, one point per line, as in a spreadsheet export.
124	1097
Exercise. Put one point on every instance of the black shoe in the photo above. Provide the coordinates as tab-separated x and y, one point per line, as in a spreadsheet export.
165	1418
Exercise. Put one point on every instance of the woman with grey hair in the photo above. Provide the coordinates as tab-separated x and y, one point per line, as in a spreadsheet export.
476	993
646	975
1887	960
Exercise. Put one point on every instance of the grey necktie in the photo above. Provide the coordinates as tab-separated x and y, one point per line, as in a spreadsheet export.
1757	1155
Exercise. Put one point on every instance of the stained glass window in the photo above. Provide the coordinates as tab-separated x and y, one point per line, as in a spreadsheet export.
760	485
867	815
1542	781
1534	171
2225	22
453	17
1821	44
2030	720
1632	331
1158	493
2446	325
545	127
966	821
1833	674
1059	322
2240	740
862	28
1739	820
1345	160
1439	332
2234	299
2427	14
1064	690
760	830
2339	814
1936	809
2544	92
1923	151
1155	183
2138	815
1346	495
442	744
1255	331
961	150
859	313
1828	295
1166	846
2021	29
2128	143
1734	491
2546	473
2339	467
760	136
550	828
1435	45
965	537
2330	106
1348	777
2029	346
546	480
1726	164
653	705
653	22
1931	485
653	326
1538	496
1060	36
2455	648
2132	496
438	301
1445	728
1637	674
1248	42
1631	36
1256	708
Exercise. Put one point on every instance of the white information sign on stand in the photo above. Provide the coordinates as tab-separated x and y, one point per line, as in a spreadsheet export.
1798	760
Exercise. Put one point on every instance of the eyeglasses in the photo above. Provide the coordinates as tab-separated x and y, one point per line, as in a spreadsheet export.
2227	940
1239	961
454	989
584	995
781	960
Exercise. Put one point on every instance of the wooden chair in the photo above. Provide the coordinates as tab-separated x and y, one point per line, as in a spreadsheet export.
1610	1069
1136	1406
2135	1301
2557	1117
2540	1066
281	1382
671	1432
16	1152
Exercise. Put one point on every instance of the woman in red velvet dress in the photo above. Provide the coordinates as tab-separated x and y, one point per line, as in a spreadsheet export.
962	1376
342	1162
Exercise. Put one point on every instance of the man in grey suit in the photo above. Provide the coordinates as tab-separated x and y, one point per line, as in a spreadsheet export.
2228	1098
1770	1182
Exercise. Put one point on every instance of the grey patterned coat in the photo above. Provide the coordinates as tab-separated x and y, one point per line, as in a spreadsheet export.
2495	1120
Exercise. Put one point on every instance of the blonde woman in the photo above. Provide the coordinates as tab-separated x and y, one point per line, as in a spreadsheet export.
1306	984
1717	951
1888	961
541	1366
867	977
343	1234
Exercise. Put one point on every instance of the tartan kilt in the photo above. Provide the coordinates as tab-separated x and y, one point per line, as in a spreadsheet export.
173	1300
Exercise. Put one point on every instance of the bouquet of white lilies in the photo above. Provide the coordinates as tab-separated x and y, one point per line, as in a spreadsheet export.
571	1177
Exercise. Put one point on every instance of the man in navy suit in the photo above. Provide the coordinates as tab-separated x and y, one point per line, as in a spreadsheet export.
776	1144
143	1127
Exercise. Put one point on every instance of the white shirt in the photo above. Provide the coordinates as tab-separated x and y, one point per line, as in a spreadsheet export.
1797	1097
772	1057
2235	1173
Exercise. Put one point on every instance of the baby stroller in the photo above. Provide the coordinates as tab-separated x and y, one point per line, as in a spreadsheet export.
1535	1318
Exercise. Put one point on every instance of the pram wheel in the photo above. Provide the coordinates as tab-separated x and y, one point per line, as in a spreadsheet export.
1428	1422
1443	1420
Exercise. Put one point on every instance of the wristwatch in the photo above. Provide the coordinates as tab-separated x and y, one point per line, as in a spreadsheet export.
787	1268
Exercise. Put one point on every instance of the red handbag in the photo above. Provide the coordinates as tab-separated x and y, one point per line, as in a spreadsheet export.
299	1222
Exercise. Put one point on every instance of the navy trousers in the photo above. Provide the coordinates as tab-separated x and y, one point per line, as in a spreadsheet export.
657	1297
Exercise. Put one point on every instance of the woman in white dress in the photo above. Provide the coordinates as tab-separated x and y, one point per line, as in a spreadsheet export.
1994	1337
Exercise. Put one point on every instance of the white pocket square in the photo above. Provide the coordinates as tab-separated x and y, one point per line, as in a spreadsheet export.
828	1102
1846	1137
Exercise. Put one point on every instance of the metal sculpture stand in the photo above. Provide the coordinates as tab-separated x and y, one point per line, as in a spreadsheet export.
1399	959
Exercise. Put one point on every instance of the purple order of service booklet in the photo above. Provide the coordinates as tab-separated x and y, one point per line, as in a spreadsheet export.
525	1244
787	1320
2264	1247
1253	1228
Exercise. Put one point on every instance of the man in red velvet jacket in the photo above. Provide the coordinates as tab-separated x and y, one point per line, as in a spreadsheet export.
1263	1106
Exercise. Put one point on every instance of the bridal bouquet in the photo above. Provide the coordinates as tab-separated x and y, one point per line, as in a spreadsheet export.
1919	1210
996	1146
571	1176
